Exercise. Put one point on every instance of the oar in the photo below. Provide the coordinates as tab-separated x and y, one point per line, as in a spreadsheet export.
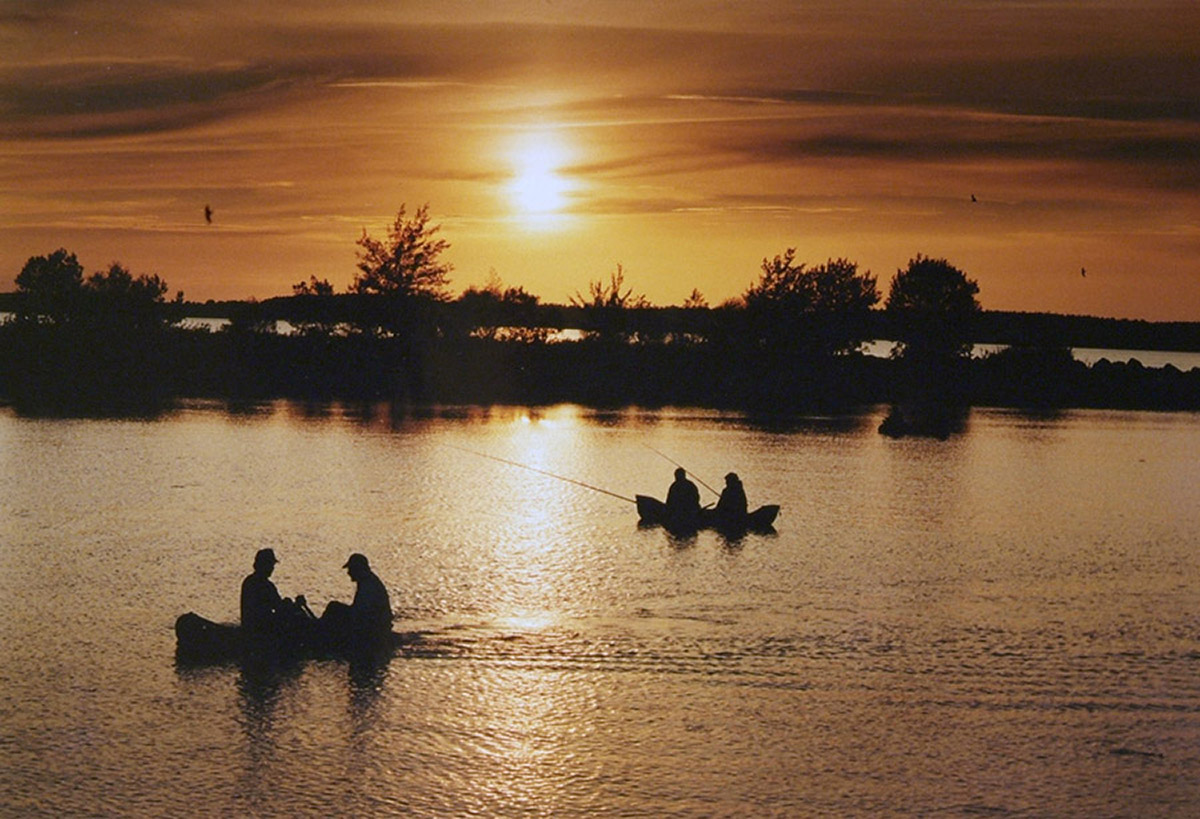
540	472
684	468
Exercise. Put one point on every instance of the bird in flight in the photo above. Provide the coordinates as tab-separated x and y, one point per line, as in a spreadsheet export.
1083	272
208	211
973	199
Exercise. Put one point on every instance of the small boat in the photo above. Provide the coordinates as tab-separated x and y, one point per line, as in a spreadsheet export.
653	512
199	640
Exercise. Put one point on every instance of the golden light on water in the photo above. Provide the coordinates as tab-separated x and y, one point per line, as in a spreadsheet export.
527	620
534	437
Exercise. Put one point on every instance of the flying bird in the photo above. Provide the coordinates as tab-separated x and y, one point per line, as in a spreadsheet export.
973	199
208	214
1083	272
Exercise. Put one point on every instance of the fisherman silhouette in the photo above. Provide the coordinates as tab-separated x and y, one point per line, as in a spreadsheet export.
367	618
731	507
264	612
683	498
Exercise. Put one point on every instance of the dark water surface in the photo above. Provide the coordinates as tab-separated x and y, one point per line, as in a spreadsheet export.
1006	623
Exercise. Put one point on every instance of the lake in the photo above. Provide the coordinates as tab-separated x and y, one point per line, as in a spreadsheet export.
1005	623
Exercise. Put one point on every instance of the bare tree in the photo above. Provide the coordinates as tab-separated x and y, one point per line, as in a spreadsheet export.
607	306
610	296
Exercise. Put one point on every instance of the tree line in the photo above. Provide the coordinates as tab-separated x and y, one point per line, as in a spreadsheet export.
790	341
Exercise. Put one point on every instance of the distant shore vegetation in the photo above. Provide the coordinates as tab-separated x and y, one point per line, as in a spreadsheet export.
793	342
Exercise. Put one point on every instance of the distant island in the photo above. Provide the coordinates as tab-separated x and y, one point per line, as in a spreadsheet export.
459	353
793	342
999	327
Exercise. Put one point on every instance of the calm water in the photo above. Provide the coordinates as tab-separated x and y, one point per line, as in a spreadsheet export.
1003	624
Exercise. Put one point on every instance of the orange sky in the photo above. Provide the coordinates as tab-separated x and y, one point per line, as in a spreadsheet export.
683	140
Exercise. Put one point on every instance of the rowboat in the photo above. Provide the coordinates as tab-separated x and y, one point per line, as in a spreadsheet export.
653	512
199	640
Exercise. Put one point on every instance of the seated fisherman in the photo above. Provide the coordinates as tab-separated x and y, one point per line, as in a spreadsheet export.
264	612
683	498
683	502
732	504
368	617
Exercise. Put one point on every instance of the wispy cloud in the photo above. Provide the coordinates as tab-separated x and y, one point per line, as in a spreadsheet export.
776	116
92	98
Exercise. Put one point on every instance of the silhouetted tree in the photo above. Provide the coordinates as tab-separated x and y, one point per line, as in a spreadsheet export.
695	301
115	296
606	306
48	287
407	263
313	287
94	344
815	311
401	283
934	305
496	312
518	297
313	310
52	289
610	296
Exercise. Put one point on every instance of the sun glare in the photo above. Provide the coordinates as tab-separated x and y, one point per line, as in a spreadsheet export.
538	189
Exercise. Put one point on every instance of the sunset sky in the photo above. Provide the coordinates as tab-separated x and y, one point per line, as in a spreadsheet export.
555	140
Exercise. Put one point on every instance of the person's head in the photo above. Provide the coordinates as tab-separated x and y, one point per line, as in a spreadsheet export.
264	561
680	474
732	478
357	566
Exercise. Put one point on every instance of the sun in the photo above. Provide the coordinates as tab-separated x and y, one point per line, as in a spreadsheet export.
538	190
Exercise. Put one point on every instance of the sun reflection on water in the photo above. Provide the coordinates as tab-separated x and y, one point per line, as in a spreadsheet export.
531	544
538	725
526	621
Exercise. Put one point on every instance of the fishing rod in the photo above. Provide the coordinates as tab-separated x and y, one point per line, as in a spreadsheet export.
540	472
684	468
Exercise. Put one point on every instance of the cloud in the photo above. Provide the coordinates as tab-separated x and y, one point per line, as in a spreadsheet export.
85	99
853	117
1161	153
965	143
82	89
63	77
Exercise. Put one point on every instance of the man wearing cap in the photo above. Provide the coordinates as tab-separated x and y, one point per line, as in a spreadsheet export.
264	612
369	616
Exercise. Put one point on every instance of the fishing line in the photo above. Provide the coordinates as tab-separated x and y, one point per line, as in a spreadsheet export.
539	471
684	468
